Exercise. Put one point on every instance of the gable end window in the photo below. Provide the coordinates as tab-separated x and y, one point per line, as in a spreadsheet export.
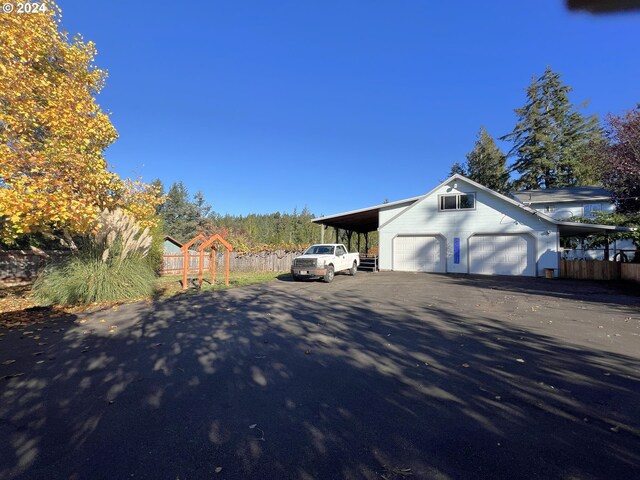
458	201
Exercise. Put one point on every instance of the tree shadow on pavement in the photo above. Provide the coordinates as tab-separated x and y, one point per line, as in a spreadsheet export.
309	381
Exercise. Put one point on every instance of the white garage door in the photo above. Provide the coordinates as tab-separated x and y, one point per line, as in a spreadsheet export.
417	254
502	255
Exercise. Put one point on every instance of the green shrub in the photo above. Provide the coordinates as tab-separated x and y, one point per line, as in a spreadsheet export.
110	265
83	279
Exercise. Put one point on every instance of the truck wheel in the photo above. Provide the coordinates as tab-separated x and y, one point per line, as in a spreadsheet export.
296	278
354	269
328	276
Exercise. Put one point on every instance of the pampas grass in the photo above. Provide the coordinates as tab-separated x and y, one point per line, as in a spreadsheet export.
110	265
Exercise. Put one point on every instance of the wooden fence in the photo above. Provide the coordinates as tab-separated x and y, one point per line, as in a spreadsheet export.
18	267
630	271
278	261
599	270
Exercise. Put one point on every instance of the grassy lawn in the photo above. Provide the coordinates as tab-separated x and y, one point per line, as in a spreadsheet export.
172	285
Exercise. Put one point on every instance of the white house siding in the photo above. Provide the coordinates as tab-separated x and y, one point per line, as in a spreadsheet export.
492	216
387	213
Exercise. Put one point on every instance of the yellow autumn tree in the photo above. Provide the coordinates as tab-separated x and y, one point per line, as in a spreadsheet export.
53	176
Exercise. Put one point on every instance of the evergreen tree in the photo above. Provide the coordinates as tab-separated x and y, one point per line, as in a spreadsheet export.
184	218
550	137
179	214
204	221
487	165
458	168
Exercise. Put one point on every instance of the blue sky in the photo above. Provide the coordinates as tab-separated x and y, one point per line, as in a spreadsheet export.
334	105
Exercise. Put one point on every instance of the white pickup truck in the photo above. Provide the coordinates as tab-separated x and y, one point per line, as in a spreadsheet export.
324	261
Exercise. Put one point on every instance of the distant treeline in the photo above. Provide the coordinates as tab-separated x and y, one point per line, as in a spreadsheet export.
184	216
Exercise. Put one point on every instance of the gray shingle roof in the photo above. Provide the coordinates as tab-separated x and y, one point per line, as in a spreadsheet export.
556	195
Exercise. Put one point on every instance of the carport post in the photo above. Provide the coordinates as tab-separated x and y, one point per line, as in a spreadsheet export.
322	229
358	241
337	234
349	234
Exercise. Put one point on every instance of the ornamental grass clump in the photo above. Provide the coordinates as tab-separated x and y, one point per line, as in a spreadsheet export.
109	265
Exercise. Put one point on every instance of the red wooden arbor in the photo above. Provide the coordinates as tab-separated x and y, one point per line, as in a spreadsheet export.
206	243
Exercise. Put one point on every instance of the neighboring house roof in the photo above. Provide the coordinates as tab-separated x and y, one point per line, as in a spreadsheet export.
341	220
173	240
559	195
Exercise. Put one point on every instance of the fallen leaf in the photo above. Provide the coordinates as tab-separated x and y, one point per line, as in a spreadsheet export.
465	365
395	471
218	469
253	426
8	362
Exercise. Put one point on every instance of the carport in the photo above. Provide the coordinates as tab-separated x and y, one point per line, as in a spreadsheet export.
581	231
361	222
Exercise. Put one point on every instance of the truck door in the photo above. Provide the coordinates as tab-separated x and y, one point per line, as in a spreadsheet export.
341	258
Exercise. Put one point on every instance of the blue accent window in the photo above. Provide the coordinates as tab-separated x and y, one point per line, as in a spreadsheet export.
456	250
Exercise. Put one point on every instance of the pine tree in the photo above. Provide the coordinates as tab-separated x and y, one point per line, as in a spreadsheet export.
457	168
204	219
550	137
487	165
179	214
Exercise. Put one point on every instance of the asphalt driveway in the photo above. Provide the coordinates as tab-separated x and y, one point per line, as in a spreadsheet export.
367	377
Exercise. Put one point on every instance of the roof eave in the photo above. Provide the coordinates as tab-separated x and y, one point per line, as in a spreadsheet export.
595	226
362	210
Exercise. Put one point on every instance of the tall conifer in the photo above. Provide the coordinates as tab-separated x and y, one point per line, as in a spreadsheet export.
487	165
550	136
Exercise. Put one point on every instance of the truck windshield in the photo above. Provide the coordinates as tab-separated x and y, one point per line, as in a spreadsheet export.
319	250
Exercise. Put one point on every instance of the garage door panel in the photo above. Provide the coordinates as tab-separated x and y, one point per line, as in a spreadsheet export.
417	254
501	255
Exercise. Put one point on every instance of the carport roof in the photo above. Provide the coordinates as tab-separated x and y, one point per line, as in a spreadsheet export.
363	220
575	229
